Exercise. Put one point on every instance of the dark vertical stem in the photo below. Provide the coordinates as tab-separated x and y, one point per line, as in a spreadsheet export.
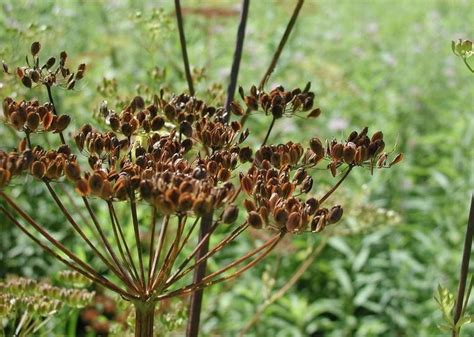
195	303
182	40
269	131
283	40
464	264
234	72
50	96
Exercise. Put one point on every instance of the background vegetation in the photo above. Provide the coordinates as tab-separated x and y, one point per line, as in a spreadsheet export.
382	63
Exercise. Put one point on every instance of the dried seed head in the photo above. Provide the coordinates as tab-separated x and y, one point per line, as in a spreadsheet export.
72	171
82	187
317	147
35	48
62	123
294	222
314	113
397	159
335	214
38	169
5	176
349	153
231	214
255	220
26	81
32	121
96	182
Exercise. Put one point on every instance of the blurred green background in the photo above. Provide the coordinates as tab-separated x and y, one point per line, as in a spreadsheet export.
384	64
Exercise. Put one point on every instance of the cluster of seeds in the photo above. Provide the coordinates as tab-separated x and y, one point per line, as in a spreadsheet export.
279	156
279	102
358	150
137	117
40	163
273	202
31	116
47	74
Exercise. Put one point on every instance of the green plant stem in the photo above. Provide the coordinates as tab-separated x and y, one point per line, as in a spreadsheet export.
144	317
464	266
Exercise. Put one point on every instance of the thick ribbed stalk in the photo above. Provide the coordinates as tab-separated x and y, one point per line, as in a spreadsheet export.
144	318
195	302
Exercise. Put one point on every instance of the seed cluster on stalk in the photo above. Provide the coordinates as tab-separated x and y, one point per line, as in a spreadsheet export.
181	158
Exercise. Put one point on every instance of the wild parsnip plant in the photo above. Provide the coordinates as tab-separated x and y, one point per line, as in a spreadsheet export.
184	162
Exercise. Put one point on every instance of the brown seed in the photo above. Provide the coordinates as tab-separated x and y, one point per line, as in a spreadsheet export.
185	202
5	67
312	205
96	182
231	214
349	153
186	129
35	48
255	220
314	113
38	169
249	205
246	184
170	111
146	189
223	174
72	171
317	147
281	217
307	184
51	61
376	136
35	76
126	129
335	214
33	120
294	222
157	123
82	187
333	168
277	111
62	123
26	81
4	177
397	159
337	151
